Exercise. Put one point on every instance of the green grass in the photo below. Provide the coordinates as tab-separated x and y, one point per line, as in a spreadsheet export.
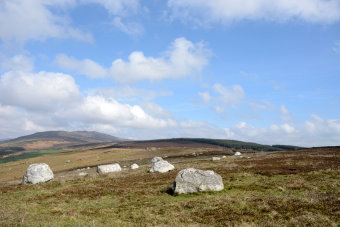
30	155
140	199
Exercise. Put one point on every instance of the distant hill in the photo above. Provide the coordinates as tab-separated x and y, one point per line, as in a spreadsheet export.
203	142
54	140
76	136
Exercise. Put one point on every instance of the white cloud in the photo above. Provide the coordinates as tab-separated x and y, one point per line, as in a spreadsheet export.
25	20
117	7
17	62
224	97
96	109
130	28
205	97
285	113
85	67
336	47
314	132
203	12
263	105
43	91
182	59
129	94
229	95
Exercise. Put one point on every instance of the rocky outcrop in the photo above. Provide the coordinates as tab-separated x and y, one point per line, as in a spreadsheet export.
37	173
194	180
104	169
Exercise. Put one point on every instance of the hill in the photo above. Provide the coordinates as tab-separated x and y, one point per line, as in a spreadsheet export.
203	142
75	136
53	141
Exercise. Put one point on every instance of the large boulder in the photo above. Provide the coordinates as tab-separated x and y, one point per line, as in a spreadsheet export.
194	180
161	167
104	169
37	173
156	159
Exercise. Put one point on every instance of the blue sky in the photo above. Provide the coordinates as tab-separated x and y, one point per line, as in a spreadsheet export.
261	71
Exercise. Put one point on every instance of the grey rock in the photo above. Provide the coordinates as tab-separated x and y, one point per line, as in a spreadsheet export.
134	166
237	153
161	167
156	159
216	158
83	174
104	169
37	173
194	180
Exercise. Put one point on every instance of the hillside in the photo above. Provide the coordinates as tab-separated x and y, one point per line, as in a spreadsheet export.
203	142
76	136
52	141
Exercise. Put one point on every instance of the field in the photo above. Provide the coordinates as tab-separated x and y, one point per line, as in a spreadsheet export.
288	188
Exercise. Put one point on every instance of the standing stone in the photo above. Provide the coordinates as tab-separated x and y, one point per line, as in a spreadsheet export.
161	167
134	166
194	180
156	159
37	173
237	153
216	158
103	169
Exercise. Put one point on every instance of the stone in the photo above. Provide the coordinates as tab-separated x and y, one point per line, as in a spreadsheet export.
103	169
194	180
134	166
224	156
83	174
216	158
156	159
161	167
67	161
37	173
237	153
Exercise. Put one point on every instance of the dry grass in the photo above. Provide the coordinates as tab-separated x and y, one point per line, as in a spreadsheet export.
276	189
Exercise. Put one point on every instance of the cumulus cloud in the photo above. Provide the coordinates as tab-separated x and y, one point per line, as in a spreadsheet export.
314	132
223	97
182	59
21	21
17	62
129	94
25	20
215	11
85	67
43	91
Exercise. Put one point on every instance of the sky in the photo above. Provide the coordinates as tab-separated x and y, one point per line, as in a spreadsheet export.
253	70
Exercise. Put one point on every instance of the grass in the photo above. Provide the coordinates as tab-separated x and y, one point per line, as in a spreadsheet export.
256	194
30	155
